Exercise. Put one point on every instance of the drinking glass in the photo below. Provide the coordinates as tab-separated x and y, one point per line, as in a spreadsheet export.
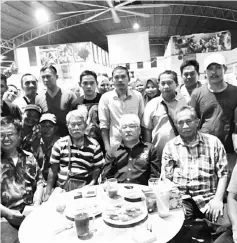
153	182
83	225
112	187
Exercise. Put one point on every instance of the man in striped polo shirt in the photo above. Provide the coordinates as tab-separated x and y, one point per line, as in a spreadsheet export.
76	155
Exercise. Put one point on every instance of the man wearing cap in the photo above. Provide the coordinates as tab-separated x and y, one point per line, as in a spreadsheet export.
29	85
42	150
215	104
31	130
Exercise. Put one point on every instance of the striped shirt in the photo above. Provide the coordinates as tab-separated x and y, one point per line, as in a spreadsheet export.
84	160
196	168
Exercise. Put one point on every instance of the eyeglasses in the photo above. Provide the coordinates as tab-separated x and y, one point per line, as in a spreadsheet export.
188	122
9	135
129	126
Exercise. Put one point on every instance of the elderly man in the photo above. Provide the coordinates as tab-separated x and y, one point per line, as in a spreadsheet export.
189	71
59	101
76	156
134	161
114	104
21	180
197	163
216	105
29	85
158	119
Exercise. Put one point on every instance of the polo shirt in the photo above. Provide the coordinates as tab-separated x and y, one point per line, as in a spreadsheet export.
133	165
111	108
155	118
84	160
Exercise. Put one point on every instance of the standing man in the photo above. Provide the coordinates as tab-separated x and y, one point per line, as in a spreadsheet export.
59	101
158	119
189	72
116	103
216	103
29	85
8	109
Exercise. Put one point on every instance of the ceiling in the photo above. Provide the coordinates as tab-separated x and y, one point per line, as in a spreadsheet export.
20	28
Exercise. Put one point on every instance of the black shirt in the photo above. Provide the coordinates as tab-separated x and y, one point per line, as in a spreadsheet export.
12	110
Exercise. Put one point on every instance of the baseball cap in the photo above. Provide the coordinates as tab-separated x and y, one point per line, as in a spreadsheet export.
48	117
33	107
214	58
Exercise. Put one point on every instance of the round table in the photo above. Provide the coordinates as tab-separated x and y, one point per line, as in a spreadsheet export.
44	224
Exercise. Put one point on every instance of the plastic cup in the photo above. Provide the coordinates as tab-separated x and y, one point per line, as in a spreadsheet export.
163	202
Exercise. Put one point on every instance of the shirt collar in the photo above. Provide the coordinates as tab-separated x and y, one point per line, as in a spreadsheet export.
179	140
115	94
177	97
70	142
138	144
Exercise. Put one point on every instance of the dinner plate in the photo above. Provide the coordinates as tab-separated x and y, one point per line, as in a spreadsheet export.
88	205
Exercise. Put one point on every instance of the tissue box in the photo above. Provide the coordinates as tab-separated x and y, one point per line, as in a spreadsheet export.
175	199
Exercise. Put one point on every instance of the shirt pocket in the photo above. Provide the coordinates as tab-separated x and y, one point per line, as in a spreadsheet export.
205	167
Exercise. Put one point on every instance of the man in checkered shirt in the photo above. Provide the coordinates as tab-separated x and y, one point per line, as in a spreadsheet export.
197	164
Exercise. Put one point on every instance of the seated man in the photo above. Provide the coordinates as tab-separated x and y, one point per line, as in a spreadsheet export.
76	155
230	236
197	163
31	130
133	161
21	180
42	150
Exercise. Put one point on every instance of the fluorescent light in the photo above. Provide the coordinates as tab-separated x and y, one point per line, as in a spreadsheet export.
42	16
136	26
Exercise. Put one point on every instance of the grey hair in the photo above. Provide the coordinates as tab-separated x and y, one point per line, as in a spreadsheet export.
129	117
81	112
186	107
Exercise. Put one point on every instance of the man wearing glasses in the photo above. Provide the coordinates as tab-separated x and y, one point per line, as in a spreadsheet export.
196	162
189	72
134	161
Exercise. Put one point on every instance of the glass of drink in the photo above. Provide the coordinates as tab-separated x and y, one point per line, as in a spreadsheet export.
163	201
82	222
112	187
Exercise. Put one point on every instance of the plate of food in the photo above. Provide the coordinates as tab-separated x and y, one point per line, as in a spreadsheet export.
82	204
124	215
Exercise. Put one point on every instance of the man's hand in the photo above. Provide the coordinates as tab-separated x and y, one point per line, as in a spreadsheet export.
111	151
14	217
214	210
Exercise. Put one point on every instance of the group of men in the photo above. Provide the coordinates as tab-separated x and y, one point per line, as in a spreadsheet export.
188	134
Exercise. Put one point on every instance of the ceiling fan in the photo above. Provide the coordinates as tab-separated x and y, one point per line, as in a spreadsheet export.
120	7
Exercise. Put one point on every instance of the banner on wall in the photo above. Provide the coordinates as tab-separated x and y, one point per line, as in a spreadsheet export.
129	48
200	43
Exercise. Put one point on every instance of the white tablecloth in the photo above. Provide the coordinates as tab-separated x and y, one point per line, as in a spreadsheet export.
43	225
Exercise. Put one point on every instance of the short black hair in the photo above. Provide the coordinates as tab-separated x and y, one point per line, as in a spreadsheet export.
27	74
121	68
4	78
49	66
7	120
169	72
86	73
192	62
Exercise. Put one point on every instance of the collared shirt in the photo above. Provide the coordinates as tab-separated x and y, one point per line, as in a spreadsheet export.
19	182
182	90
84	160
133	165
42	154
232	187
196	168
111	108
155	118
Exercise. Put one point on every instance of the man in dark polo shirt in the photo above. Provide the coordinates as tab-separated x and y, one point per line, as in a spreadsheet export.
133	161
8	109
59	101
76	156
